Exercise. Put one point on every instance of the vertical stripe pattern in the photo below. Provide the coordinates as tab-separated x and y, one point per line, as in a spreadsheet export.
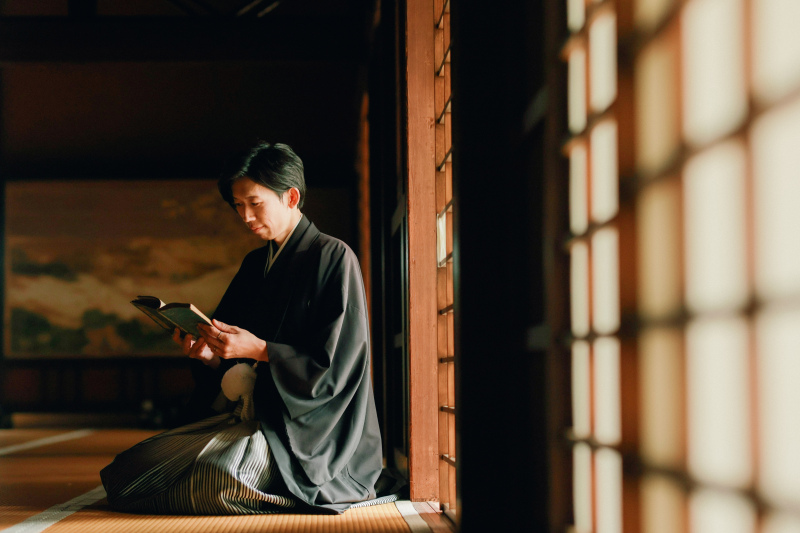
218	466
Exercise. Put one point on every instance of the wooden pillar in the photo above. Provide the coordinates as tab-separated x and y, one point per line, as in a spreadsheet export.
421	196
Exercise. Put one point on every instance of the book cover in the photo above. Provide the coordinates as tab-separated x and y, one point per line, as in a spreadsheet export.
184	316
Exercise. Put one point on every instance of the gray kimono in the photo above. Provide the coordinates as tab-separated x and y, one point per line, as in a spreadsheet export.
314	399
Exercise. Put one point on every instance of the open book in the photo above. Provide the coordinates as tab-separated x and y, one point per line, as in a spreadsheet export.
183	316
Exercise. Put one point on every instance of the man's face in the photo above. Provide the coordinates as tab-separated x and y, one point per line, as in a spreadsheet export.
262	210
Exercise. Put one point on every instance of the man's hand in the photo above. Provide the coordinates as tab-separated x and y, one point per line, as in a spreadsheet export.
231	342
196	349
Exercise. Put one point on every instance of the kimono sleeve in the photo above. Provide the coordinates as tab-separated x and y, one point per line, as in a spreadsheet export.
324	380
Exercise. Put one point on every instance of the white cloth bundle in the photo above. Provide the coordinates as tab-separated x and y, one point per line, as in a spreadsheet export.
237	384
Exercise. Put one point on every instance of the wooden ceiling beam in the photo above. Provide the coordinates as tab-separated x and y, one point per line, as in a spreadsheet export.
176	39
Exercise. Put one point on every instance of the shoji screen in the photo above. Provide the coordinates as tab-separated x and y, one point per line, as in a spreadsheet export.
717	130
444	233
693	383
593	246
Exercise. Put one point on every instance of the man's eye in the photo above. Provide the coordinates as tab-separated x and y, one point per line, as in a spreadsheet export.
255	204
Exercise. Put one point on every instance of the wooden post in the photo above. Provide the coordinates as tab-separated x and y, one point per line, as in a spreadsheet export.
423	457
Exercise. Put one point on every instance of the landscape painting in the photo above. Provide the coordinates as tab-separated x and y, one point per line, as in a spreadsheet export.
77	253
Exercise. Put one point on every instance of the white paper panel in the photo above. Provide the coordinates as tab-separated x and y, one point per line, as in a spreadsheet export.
714	208
582	487
576	79
662	393
781	523
649	13
720	512
659	247
578	190
662	506
715	100
608	424
581	390
579	289
657	112
441	237
608	464
576	14
605	171
778	345
776	161
605	281
603	61
717	370
776	46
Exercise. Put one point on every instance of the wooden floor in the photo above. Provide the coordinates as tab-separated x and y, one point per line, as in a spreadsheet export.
49	481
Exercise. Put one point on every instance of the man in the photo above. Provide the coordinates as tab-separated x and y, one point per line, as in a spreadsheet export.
296	312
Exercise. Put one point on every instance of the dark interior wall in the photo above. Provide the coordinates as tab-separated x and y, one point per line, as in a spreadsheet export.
173	119
177	120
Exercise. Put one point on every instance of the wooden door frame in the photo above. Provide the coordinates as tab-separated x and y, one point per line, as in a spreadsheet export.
423	421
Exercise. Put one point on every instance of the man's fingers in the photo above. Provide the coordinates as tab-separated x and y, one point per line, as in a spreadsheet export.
223	327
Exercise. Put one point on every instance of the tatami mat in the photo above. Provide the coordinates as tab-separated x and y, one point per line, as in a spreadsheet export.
45	475
99	518
18	436
35	478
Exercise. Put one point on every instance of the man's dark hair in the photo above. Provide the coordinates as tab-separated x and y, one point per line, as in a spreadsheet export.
275	166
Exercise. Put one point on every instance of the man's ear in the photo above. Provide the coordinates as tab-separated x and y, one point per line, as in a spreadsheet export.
293	196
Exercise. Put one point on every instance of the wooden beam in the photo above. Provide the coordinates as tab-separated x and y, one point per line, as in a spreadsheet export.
423	456
66	39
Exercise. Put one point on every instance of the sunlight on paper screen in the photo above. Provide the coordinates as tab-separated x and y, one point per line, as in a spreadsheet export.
720	512
714	207
579	288
778	345
441	237
661	374
662	505
603	61
576	14
581	387
715	101
648	13
656	110
781	523
717	389
776	46
578	190
776	160
577	90
608	467
582	486
605	281
607	390
658	223
605	171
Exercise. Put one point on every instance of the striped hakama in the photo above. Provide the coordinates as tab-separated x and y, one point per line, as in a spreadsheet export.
218	466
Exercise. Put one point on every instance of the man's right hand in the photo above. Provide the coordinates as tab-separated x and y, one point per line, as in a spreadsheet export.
196	349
